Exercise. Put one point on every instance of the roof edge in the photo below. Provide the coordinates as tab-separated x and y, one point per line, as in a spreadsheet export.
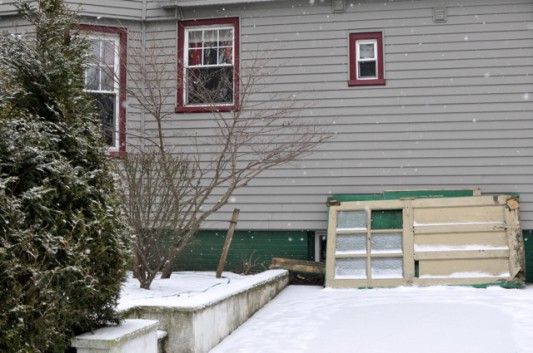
190	3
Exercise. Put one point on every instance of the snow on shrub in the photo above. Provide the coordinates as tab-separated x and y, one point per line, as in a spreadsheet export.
62	241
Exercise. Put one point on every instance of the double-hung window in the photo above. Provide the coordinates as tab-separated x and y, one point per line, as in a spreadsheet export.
366	59
105	79
208	53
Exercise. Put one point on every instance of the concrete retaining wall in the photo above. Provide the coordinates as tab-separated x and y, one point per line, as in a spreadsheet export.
200	327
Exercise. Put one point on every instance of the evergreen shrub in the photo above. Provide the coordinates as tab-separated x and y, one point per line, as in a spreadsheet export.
63	244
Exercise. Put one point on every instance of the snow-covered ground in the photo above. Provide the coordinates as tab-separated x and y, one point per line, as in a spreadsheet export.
305	319
189	289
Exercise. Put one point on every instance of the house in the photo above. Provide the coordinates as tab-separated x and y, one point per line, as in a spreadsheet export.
425	94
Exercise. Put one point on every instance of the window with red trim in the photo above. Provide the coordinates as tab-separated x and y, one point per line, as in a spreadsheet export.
366	59
208	65
105	80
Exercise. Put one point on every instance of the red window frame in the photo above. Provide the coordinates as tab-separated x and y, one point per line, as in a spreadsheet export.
182	25
122	34
354	38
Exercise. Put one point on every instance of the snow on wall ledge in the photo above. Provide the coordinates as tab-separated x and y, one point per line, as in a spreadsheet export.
197	324
131	336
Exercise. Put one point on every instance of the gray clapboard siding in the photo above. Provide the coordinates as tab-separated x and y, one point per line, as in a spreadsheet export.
7	7
116	9
382	121
455	111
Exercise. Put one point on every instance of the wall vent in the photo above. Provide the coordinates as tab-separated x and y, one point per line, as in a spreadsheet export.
338	5
439	15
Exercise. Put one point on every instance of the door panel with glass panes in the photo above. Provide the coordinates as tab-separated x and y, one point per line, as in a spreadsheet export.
369	245
426	241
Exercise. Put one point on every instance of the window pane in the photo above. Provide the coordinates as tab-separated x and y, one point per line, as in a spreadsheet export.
92	76
387	219
108	79
386	242
350	268
210	85
387	268
225	56
225	37
109	53
351	219
195	39
105	103
210	38
366	51
367	69
94	50
351	242
210	57
195	57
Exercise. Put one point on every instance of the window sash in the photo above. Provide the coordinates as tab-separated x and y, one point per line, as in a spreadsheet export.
187	47
358	58
363	42
110	132
100	65
188	66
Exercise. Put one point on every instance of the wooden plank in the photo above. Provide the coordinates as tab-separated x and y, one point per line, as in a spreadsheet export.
464	268
462	254
381	205
458	281
351	231
514	237
461	201
346	283
330	247
368	246
462	228
349	255
469	214
408	243
307	267
227	242
493	239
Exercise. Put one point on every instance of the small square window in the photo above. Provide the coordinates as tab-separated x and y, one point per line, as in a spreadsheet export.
366	59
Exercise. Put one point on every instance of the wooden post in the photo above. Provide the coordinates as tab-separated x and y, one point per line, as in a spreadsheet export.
227	242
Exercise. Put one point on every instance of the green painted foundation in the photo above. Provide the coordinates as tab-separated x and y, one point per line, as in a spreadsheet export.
249	251
254	250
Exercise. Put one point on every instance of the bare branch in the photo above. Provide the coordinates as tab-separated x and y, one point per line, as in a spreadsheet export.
169	191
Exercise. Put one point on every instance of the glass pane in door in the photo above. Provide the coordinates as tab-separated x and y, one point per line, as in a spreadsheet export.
350	268
387	267
351	220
